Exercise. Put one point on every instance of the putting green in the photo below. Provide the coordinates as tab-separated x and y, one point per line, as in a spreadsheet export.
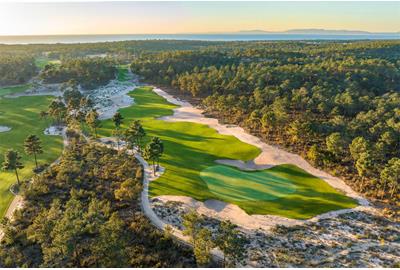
232	184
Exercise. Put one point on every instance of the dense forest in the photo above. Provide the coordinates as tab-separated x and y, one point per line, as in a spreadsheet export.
87	72
124	51
84	212
16	69
335	103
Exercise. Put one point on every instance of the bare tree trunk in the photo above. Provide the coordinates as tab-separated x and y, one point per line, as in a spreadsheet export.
34	154
16	173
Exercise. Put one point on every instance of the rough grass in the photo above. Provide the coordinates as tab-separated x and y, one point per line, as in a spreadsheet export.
22	115
191	148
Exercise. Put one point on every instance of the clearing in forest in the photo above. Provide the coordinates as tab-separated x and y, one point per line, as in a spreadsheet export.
190	152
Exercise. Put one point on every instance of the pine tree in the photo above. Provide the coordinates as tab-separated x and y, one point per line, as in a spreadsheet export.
12	162
32	146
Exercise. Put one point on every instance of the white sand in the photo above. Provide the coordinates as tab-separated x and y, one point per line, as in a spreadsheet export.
16	203
54	131
4	128
270	156
227	211
110	98
117	102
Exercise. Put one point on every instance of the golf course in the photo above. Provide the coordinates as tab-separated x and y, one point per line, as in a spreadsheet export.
190	153
13	89
22	116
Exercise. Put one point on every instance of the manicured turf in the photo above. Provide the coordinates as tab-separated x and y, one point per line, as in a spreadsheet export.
41	62
22	115
13	89
122	73
191	148
231	184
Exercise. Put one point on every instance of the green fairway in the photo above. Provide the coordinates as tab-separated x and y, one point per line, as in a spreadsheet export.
41	62
122	73
13	89
22	115
192	148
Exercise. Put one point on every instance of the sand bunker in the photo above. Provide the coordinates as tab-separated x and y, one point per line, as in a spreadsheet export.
4	128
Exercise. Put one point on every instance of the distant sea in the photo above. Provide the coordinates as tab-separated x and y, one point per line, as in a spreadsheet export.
205	37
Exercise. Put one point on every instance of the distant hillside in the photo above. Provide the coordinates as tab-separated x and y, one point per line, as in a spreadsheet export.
328	32
314	31
256	32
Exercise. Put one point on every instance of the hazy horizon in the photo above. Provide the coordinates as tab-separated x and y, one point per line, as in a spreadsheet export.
238	32
132	18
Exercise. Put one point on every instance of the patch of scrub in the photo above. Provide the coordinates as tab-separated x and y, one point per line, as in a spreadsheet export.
4	128
231	184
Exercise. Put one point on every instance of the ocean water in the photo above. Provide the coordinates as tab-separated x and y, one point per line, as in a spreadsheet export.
206	37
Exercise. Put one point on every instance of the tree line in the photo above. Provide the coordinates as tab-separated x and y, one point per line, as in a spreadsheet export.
16	69
87	72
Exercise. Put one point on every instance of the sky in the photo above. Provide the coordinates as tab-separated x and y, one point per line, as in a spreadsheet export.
63	18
